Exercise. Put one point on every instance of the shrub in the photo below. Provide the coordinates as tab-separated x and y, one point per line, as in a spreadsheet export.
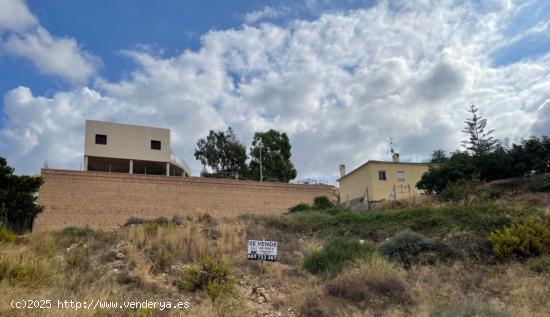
465	192
26	270
406	247
374	283
312	307
335	210
6	235
134	221
322	202
203	216
526	239
78	232
540	183
336	254
71	235
540	264
79	259
299	207
161	221
212	275
468	310
481	220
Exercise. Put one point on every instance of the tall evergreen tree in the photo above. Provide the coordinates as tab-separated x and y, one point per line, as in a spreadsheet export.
479	142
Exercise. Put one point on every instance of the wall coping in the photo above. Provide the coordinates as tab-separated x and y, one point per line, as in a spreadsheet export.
192	179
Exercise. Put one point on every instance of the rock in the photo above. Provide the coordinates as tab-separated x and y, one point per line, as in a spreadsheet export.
120	256
261	299
266	297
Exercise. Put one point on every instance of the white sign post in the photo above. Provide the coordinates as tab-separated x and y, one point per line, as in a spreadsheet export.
262	250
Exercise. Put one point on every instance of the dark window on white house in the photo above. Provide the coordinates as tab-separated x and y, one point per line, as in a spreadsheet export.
155	145
100	139
382	175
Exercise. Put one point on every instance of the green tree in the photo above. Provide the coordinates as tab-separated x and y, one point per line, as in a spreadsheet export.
18	206
531	156
479	142
223	153
459	165
275	151
438	157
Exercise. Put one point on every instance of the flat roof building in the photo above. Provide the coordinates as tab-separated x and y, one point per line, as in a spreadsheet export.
379	180
126	148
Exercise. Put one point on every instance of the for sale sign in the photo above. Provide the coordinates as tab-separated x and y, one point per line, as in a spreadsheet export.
262	250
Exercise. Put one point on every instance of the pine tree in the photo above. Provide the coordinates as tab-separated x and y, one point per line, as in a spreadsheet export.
479	142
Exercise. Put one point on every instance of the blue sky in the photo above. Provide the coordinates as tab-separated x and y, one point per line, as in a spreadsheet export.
340	77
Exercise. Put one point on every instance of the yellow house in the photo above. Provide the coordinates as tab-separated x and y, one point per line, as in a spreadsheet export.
380	180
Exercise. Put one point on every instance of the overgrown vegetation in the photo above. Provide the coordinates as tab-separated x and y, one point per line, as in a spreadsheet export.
6	235
336	254
319	203
481	220
529	238
18	206
485	159
467	310
212	275
539	264
407	247
372	283
203	262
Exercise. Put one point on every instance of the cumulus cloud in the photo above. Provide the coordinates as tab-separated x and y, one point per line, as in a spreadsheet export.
58	56
340	86
15	16
266	13
54	56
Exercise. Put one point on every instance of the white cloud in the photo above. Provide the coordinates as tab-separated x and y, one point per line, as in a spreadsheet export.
15	16
266	13
340	85
53	56
58	56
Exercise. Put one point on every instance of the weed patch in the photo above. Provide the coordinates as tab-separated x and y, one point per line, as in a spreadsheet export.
480	220
337	254
212	275
373	283
6	235
407	247
526	239
467	310
540	264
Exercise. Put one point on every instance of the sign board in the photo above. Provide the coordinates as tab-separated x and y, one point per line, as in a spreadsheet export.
262	250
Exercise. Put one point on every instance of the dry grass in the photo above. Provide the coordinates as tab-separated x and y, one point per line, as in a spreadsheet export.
373	283
410	202
232	238
180	242
127	265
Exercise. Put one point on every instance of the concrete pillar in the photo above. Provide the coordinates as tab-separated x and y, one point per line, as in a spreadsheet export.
86	163
131	171
167	169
